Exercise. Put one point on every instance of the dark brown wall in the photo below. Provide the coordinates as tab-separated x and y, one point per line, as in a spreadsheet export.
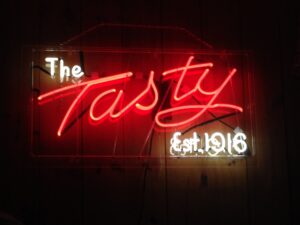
262	189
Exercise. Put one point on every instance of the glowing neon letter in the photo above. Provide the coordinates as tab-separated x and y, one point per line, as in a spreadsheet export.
76	71
174	142
51	60
217	140
64	70
239	143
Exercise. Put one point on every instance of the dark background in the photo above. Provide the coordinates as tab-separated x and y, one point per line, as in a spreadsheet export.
265	193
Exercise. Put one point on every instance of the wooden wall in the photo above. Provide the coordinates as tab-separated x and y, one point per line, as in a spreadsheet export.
258	190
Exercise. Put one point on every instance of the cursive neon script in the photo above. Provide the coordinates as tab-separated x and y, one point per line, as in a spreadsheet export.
115	111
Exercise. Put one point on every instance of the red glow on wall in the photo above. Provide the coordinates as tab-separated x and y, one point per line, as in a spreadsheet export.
117	108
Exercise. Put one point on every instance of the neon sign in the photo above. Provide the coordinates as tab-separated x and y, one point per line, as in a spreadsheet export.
213	145
97	103
115	110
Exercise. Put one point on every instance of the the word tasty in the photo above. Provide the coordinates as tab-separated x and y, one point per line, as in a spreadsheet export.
117	110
